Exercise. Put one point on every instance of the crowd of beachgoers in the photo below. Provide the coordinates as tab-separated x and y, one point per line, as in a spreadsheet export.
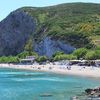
61	67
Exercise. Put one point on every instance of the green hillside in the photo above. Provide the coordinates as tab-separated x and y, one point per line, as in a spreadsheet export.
74	23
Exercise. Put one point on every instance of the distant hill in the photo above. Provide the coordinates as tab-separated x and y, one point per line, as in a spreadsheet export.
62	27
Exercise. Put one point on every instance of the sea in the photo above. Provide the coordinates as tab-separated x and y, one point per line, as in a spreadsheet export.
29	85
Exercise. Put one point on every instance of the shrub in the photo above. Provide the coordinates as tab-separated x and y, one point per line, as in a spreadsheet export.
9	59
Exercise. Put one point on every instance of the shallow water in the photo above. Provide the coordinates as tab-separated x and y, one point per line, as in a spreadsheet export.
28	85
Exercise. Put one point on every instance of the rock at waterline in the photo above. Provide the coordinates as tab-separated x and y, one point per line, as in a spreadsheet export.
88	91
92	91
94	94
46	95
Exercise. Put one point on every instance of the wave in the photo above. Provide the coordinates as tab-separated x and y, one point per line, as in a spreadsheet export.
19	73
40	79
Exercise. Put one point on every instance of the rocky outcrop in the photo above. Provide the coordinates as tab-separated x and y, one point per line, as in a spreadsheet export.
88	94
47	47
14	32
93	91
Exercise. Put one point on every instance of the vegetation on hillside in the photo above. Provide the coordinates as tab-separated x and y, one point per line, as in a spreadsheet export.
81	53
74	23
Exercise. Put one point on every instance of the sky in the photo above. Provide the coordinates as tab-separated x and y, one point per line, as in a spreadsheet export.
7	6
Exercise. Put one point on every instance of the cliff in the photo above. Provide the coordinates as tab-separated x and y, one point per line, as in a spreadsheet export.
62	27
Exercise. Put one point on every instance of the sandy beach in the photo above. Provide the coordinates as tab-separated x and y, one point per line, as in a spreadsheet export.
59	69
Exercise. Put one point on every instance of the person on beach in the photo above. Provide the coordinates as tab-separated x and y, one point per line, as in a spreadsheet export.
68	67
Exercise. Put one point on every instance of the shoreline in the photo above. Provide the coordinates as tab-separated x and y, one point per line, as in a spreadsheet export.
84	71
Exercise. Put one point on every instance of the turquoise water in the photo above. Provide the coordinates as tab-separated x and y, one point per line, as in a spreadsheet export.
28	85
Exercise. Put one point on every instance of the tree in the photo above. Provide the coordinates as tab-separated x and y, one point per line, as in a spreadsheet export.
26	53
80	53
90	55
28	46
97	54
41	59
97	48
64	57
